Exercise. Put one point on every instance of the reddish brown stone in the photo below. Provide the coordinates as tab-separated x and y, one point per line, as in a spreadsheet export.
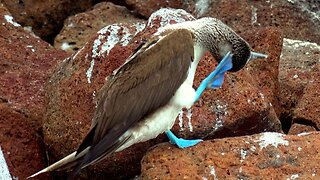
262	156
45	18
24	66
296	129
25	63
307	110
78	29
297	19
298	60
146	8
22	146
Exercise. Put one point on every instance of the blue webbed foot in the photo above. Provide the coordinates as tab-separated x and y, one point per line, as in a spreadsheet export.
181	143
215	79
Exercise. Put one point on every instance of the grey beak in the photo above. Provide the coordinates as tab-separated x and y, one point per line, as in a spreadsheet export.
255	55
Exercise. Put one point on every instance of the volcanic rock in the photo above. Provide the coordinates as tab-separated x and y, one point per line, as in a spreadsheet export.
78	29
297	19
45	18
266	155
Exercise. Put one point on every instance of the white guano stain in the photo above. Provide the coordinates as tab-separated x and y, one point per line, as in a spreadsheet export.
89	71
9	19
304	134
65	46
294	176
31	47
167	14
109	35
4	170
139	27
213	172
220	110
180	118
189	115
271	138
202	7
254	15
297	43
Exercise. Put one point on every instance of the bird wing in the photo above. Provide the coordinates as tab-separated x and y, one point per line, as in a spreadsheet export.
144	83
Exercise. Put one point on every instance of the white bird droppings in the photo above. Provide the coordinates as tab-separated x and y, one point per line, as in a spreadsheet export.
65	46
189	115
9	19
213	172
273	139
294	176
304	134
4	170
167	15
254	15
202	7
89	71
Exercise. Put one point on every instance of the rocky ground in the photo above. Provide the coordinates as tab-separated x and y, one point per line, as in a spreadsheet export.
262	124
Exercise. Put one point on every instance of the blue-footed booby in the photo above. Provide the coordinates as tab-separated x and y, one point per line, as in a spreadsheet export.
143	97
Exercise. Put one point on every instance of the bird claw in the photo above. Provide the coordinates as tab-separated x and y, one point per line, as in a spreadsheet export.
181	143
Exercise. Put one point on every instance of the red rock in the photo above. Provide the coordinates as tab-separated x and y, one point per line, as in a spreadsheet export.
145	9
45	18
25	63
262	156
296	129
297	19
78	29
298	60
22	146
307	110
74	84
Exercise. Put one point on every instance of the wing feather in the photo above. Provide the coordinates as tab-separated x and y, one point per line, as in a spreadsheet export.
144	83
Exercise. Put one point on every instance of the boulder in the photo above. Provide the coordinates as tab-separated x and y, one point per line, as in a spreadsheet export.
78	29
45	18
25	63
297	19
297	69
145	9
265	155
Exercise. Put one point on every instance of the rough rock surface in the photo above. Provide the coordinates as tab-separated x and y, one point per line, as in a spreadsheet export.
78	29
25	62
296	129
247	102
45	18
265	155
22	146
308	108
298	65
24	74
297	19
146	8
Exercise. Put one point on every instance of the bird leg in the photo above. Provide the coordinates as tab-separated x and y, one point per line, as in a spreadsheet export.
215	79
181	143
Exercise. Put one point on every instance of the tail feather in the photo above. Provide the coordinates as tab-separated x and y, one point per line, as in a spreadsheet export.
67	162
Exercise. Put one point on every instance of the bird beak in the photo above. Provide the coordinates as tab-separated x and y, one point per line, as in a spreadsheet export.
256	55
